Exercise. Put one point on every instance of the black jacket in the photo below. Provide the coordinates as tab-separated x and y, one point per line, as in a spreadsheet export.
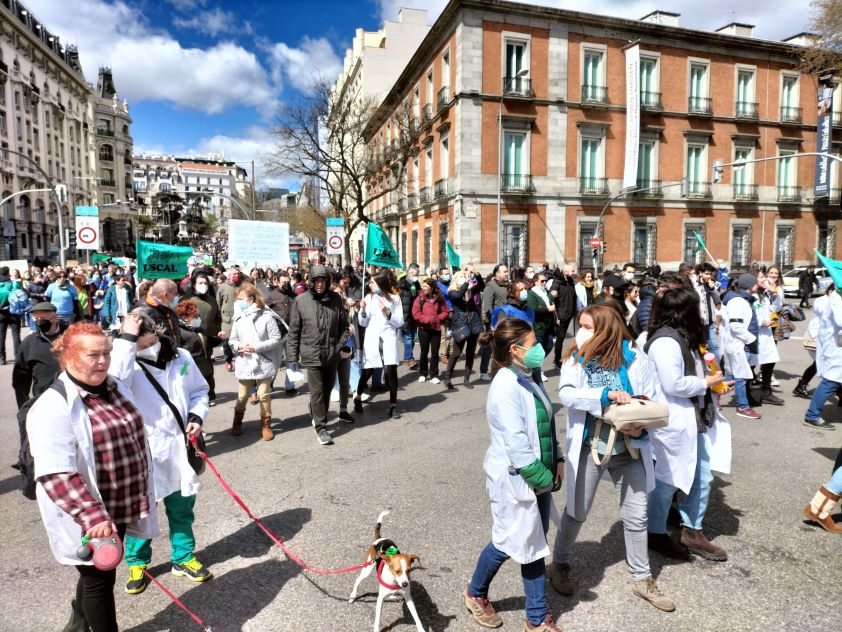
318	329
467	306
565	301
409	292
280	303
36	366
807	281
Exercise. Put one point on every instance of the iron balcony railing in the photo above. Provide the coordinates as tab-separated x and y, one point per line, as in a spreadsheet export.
653	188
745	192
699	190
699	105
443	98
651	100
745	110
789	194
594	94
424	195
516	183
412	200
790	114
440	188
518	86
593	186
428	112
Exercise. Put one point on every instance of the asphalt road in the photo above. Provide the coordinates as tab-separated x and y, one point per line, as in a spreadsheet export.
427	469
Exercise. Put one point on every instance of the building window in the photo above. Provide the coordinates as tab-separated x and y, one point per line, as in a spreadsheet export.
428	246
404	254
743	177
593	77
430	86
443	236
516	61
23	240
445	69
515	253
740	247
591	167
788	191
515	161
746	107
827	238
699	102
650	96
646	166
444	157
784	246
693	253
643	244
696	173
587	231
106	152
790	110
415	245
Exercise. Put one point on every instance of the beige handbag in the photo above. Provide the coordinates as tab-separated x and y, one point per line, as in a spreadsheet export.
638	412
808	341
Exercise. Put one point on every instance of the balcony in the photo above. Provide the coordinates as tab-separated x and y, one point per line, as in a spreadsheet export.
424	196
443	98
411	200
653	189
745	110
596	95
700	106
402	205
743	192
517	183
699	191
790	114
651	100
104	131
428	113
518	87
440	189
789	194
107	183
414	125
593	186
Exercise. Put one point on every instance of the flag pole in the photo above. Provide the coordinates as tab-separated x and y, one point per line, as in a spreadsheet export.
362	295
704	245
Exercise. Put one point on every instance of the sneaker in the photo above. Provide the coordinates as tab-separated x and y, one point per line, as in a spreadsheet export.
192	569
647	589
774	381
543	377
562	579
422	379
818	423
212	403
334	396
345	416
801	391
324	438
748	412
137	581
482	611
435	380
546	625
663	544
358	406
364	397
291	391
485	377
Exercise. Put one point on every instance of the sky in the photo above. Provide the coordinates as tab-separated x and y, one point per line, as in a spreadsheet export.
207	76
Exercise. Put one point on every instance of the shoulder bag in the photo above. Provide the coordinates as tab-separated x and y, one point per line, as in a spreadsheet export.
641	411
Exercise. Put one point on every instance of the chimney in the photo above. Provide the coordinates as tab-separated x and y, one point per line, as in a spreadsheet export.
105	83
735	28
665	18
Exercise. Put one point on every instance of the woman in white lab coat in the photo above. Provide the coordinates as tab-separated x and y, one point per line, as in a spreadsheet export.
523	465
828	356
738	339
602	368
767	308
697	438
381	313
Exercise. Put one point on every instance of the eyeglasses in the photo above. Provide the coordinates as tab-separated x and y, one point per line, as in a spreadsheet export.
542	280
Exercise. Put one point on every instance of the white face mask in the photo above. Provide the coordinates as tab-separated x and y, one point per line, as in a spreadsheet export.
629	276
201	288
582	336
530	275
196	323
150	353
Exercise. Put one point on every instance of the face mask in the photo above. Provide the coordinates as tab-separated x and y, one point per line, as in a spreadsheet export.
411	279
150	353
530	275
201	288
378	291
26	277
446	278
534	357
582	336
629	276
241	304
286	288
175	302
196	323
44	325
524	294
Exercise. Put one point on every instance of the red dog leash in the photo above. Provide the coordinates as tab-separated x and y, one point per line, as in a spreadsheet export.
380	578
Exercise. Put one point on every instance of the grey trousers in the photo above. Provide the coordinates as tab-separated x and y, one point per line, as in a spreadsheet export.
629	480
320	381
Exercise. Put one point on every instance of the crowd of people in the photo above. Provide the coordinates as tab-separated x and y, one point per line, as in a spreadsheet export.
125	367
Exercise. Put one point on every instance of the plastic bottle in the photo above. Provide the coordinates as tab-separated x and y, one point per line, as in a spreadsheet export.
712	366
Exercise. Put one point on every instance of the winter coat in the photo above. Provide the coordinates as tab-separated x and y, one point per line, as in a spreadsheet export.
380	347
36	366
544	319
566	300
429	314
408	292
209	310
807	281
493	296
318	329
585	296
260	329
466	302
828	352
515	309
108	314
226	294
280	303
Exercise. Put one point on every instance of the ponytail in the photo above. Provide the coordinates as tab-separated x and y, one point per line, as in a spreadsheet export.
508	332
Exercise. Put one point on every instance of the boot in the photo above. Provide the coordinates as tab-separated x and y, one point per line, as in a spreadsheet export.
696	542
647	589
801	391
468	378
663	544
820	508
768	397
266	426
237	427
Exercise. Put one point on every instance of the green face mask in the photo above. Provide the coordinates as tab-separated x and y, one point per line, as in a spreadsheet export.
534	356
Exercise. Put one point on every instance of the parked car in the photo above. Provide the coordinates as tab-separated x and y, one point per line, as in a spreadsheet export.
790	280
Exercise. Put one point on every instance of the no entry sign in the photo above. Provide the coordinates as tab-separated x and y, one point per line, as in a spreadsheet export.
595	242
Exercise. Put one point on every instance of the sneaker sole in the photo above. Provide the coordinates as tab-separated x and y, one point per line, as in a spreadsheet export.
744	416
823	426
198	580
137	591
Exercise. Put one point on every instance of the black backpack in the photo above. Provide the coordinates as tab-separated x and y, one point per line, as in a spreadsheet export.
27	463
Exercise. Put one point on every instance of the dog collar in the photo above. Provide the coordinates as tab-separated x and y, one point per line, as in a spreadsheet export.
380	578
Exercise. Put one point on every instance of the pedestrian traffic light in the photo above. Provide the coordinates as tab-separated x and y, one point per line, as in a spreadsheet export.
61	192
70	237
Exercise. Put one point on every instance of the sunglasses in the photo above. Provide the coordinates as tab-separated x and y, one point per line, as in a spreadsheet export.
542	280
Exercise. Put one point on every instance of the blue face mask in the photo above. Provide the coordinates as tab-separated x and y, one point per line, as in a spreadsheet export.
175	302
446	278
378	291
241	304
524	294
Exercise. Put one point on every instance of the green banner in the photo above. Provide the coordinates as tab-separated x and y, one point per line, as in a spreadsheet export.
99	258
834	269
453	257
162	261
379	250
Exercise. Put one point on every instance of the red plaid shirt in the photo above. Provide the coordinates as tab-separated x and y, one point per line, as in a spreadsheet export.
122	472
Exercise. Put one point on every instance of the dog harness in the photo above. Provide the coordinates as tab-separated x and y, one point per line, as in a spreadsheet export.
386	547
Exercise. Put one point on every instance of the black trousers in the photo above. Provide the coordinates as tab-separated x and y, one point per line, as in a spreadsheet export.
766	375
563	325
94	601
470	346
430	342
390	374
9	321
809	374
320	381
805	298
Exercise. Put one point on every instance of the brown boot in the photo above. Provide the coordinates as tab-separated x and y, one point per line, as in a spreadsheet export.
820	508
237	427
266	426
696	542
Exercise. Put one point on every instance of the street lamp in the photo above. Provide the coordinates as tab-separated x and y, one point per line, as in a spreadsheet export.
506	85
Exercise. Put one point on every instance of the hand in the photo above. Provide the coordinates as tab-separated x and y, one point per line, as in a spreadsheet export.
101	530
554	293
362	305
245	349
222	335
620	397
293	366
559	474
551	308
633	431
193	429
131	325
713	379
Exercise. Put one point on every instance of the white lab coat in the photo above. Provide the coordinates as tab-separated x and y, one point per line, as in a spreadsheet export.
378	329
188	391
512	420
828	352
580	399
60	439
734	336
767	350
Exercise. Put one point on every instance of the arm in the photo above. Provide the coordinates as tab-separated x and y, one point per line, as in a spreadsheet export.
668	369
581	297
573	393
21	378
294	334
417	314
739	317
396	308
197	393
364	315
234	336
123	355
273	337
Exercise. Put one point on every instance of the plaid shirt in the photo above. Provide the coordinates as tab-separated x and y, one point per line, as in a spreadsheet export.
122	472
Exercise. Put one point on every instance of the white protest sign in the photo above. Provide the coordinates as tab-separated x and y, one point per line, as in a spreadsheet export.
258	244
87	228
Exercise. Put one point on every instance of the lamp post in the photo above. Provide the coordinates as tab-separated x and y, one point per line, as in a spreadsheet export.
508	82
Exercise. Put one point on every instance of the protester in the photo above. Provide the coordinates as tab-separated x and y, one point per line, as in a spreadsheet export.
767	310
523	465
63	295
543	307
429	310
493	296
586	293
738	339
466	294
194	340
709	302
172	397
348	371
723	277
828	357
409	288
203	292
564	292
117	303
36	366
807	281
225	298
516	305
7	319
158	304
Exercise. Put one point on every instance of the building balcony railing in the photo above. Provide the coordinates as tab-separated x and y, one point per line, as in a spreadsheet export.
428	113
651	100
593	186
440	189
790	114
745	110
516	183
789	194
745	192
837	119
653	189
104	131
699	190
594	94
401	205
424	195
414	125
699	105
443	98
518	87
412	200
107	183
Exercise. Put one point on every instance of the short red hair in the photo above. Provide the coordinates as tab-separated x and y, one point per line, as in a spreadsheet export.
67	345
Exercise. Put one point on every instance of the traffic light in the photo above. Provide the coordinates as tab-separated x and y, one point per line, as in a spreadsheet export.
61	192
70	237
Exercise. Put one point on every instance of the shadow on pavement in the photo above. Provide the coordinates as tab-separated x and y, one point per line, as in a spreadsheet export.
428	612
11	484
720	518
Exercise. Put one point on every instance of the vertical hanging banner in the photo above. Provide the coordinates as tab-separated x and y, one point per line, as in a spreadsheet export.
335	236
632	116
87	228
824	135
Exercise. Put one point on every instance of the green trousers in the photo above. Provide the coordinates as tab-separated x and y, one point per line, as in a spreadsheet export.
180	517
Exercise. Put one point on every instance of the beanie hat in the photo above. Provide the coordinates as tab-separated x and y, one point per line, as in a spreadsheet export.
746	281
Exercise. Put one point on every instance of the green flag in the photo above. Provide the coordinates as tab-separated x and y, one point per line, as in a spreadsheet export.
453	257
700	241
99	258
162	261
834	269
379	250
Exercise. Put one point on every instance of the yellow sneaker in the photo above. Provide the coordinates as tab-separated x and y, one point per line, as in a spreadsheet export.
137	581
192	569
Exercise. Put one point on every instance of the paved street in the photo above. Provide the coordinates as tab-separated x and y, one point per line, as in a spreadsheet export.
426	468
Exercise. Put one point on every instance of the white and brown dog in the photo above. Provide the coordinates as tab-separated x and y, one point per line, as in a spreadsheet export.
393	569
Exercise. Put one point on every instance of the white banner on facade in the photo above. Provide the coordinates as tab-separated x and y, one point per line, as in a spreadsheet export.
258	244
632	116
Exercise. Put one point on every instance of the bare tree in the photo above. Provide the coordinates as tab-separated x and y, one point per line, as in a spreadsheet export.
826	51
328	137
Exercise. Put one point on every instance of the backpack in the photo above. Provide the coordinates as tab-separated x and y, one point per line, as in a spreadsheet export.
19	303
25	460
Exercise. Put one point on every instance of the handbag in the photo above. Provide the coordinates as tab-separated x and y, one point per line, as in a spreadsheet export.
193	457
461	333
808	341
640	411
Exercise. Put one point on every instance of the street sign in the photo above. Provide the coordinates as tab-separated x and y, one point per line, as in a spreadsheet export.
335	234
87	228
596	242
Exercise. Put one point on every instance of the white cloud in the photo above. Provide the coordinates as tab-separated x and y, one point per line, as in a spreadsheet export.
210	23
187	5
774	20
313	59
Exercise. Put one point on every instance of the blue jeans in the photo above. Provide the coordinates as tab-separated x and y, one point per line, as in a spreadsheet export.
740	392
491	559
408	332
834	485
711	340
825	389
693	506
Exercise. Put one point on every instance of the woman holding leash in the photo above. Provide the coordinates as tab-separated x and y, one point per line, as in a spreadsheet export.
523	465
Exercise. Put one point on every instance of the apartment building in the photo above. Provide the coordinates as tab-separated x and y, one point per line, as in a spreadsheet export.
527	106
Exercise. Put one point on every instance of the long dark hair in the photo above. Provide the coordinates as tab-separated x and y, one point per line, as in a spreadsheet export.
508	332
435	291
678	308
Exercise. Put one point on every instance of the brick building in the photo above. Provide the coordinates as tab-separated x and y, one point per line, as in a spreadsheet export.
559	80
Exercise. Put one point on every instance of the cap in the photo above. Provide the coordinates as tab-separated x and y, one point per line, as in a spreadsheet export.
4	271
43	306
319	272
746	281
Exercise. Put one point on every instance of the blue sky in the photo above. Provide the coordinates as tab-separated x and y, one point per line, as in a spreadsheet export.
206	76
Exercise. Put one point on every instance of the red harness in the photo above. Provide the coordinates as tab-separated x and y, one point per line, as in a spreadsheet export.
380	578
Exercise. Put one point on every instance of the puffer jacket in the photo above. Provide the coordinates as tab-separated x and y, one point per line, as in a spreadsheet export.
318	329
429	314
266	346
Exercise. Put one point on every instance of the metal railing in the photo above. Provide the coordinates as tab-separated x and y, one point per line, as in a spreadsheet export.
745	192
745	110
443	98
699	190
516	183
428	112
412	200
424	195
790	114
518	86
654	187
104	131
651	100
593	186
789	194
440	188
594	94
699	105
